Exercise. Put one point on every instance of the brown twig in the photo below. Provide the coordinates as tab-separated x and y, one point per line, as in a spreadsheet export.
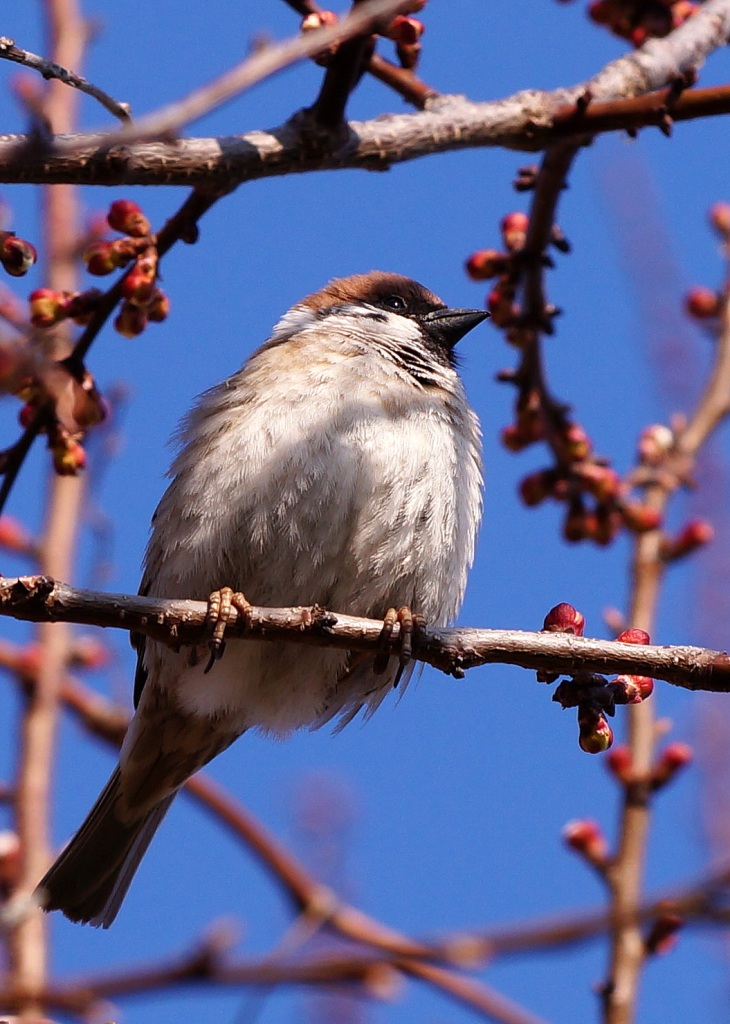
628	950
448	124
49	69
43	599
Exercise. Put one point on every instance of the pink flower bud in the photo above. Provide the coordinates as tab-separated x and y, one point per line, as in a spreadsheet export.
514	230
127	217
587	838
486	263
564	618
695	534
159	307
595	734
620	763
655	442
702	303
640	518
674	758
131	321
719	217
14	536
101	258
16	255
47	307
69	457
634	636
404	30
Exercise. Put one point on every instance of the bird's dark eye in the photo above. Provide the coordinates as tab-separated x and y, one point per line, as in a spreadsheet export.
395	302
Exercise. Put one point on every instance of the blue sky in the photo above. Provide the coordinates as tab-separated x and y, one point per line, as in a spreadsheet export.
458	792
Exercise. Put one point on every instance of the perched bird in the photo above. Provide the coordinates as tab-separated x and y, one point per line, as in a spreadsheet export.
341	465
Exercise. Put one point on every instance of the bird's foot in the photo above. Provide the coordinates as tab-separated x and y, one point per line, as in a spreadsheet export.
224	607
409	626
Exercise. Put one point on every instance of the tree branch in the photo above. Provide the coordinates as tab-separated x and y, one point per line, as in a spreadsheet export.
49	69
42	599
527	121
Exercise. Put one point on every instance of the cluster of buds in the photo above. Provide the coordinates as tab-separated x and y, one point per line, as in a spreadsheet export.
143	300
594	696
598	507
486	264
702	303
16	255
639	20
403	30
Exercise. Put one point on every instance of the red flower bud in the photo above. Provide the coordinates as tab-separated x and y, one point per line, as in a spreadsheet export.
640	518
16	255
586	838
318	19
130	321
47	307
673	759
702	303
564	618
486	263
662	937
595	734
537	486
14	536
602	482
404	30
620	763
514	230
719	217
69	457
695	534
102	257
127	217
577	443
634	636
159	307
654	444
139	285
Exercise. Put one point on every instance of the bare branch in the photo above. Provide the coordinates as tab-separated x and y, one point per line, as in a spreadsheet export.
49	69
527	121
42	599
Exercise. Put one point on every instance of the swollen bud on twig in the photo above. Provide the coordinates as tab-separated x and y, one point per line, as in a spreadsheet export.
655	443
127	217
672	760
620	763
16	255
663	937
594	733
586	837
486	263
702	303
695	534
514	230
564	618
69	457
719	217
47	307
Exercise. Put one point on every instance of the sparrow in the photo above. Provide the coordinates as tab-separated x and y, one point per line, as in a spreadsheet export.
340	466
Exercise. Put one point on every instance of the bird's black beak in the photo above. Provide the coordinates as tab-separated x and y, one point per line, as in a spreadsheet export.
449	326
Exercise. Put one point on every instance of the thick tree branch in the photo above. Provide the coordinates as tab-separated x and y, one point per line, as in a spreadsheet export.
42	599
527	121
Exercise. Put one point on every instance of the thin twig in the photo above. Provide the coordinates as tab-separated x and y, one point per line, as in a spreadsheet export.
49	69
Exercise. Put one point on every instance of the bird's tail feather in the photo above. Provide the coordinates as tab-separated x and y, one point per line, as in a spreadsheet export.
90	878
